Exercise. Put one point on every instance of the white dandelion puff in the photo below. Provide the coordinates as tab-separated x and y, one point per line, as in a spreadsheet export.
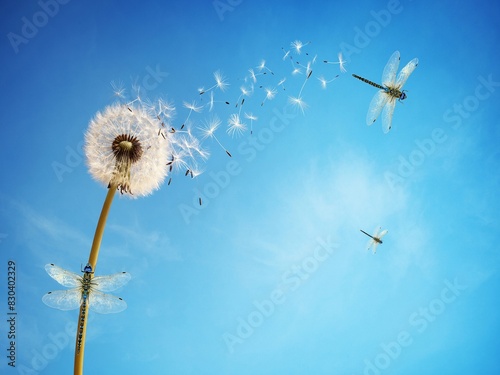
123	150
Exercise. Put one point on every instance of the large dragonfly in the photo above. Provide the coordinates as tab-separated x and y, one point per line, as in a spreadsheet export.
390	91
375	239
86	291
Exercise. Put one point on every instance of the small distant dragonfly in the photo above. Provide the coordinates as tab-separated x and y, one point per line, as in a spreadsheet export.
390	90
376	239
87	291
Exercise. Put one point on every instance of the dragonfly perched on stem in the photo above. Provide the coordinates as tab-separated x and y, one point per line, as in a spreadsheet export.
376	239
86	292
390	91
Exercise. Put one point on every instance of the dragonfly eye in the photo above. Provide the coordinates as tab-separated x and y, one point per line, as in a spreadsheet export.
403	96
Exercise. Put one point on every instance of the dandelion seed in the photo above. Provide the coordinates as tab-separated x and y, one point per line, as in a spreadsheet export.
286	54
297	45
341	62
298	102
325	82
123	150
252	118
262	66
118	89
209	128
235	126
282	83
220	83
270	94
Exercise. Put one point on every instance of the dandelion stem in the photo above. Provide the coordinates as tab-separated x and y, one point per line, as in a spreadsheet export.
94	253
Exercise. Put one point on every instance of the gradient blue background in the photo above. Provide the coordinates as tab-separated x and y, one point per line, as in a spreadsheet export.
197	277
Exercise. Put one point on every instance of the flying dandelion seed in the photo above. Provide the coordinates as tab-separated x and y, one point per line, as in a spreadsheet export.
324	82
270	94
297	45
298	102
220	83
118	89
252	118
209	128
235	127
341	62
286	53
262	66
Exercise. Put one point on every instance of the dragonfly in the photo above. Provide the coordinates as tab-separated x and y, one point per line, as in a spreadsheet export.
86	292
390	91
376	239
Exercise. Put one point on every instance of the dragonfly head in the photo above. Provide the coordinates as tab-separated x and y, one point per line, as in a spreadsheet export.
402	96
88	268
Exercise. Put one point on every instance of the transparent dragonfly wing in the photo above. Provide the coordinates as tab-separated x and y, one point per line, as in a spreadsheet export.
405	73
369	244
383	233
110	283
389	73
378	102
387	114
63	299
63	277
105	303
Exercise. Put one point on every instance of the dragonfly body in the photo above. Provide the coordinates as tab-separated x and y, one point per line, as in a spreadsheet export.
390	91
393	92
376	238
86	293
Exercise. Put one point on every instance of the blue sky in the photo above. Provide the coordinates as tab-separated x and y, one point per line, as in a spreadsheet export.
271	275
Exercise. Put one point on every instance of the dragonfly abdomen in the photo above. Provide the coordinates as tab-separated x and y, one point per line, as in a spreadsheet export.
369	82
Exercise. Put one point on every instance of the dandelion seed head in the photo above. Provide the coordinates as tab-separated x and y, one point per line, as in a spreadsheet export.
123	149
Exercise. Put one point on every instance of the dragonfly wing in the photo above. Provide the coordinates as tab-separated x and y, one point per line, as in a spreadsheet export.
63	299
110	282
387	115
389	74
369	244
376	106
105	303
405	73
63	277
375	244
382	234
